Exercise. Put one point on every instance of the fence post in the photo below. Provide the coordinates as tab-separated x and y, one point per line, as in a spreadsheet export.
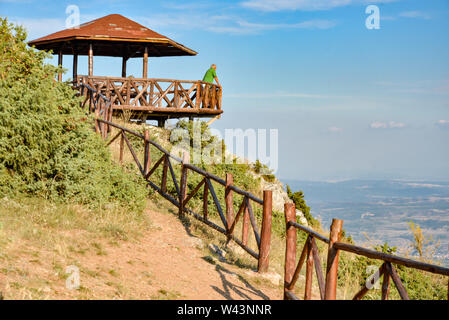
309	271
229	200
265	234
97	124
122	146
183	188
245	225
147	156
332	260
290	246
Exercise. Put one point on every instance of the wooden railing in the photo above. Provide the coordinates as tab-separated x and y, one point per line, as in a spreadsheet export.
101	106
182	195
156	94
328	285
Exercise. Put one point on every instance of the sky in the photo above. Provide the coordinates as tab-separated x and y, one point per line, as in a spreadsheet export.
348	102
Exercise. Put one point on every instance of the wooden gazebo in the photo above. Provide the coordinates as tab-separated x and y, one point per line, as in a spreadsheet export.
147	98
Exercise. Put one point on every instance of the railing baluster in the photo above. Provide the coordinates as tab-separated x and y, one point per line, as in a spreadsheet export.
229	201
332	260
290	249
164	174
183	193
309	270
147	153
397	281
265	235
217	203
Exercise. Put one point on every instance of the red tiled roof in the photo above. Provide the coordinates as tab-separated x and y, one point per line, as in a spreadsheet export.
113	27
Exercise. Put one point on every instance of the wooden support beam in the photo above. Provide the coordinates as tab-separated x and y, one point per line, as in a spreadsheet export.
91	60
75	66
161	123
124	60
60	65
145	63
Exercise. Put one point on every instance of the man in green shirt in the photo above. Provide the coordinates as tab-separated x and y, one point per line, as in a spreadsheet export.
211	74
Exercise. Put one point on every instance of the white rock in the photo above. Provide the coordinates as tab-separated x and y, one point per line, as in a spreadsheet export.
301	218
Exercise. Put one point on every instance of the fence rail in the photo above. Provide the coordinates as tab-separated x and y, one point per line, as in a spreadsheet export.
328	285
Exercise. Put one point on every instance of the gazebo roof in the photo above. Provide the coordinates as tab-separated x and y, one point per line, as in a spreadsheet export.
113	35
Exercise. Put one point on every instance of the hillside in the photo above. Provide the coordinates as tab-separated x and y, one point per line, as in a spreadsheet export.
69	204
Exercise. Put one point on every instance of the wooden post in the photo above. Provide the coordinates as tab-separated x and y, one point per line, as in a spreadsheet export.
265	233
164	174
75	67
122	147
91	60
205	198
309	271
290	246
147	156
145	63
385	286
332	260
183	191
245	226
60	65
124	60
229	200
161	123
198	96
97	124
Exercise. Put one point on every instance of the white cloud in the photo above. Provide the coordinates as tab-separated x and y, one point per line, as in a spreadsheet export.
378	125
335	129
303	5
443	123
393	124
386	125
230	24
415	15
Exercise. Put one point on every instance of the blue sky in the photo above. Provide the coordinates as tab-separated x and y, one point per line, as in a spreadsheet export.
348	102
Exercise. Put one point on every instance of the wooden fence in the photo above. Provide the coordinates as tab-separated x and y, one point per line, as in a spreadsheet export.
328	284
101	106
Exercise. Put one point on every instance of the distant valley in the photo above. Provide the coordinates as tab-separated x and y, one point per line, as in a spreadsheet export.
380	210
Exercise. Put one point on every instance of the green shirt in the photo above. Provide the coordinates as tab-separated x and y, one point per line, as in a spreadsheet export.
210	75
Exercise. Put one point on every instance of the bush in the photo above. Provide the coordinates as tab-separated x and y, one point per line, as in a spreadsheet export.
47	145
300	204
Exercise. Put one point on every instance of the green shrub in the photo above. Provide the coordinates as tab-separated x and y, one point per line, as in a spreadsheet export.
47	145
300	204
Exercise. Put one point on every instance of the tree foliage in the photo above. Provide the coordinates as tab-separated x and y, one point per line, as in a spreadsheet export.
300	204
47	145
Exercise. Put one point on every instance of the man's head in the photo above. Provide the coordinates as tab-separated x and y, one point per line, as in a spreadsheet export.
214	66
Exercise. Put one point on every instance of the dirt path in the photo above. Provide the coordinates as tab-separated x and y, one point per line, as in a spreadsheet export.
177	269
165	262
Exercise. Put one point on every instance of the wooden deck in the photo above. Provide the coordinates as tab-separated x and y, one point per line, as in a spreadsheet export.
157	99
